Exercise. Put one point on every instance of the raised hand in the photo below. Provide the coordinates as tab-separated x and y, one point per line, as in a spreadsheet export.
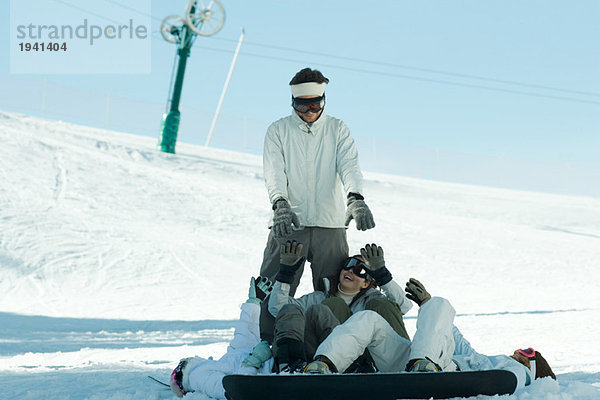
260	288
416	292
373	256
290	259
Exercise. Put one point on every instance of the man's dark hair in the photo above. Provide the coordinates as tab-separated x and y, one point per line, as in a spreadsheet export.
308	75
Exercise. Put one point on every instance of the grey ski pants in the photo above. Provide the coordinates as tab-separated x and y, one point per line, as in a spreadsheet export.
310	328
325	249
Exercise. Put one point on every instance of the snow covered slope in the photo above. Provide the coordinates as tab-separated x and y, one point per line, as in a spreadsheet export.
116	260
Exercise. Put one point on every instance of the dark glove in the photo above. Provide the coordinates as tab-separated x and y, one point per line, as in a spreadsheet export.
416	292
260	288
358	210
283	219
290	259
375	263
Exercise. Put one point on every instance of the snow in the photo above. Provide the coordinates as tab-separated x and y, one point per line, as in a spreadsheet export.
117	260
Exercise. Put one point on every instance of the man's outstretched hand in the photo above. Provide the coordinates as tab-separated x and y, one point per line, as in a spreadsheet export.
360	212
283	219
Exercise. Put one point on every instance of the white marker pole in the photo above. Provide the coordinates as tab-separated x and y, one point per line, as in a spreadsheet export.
214	121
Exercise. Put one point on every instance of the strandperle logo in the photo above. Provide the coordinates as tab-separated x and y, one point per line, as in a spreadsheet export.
79	37
85	31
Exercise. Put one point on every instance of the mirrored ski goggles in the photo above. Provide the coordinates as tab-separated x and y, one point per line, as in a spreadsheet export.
313	104
358	267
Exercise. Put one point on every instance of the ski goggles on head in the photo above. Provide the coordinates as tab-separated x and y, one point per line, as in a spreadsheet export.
313	104
358	267
528	353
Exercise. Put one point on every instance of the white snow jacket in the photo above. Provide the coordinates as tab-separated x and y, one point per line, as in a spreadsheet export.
206	375
468	359
280	296
307	164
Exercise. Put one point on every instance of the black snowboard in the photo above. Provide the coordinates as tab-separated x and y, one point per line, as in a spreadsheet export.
379	386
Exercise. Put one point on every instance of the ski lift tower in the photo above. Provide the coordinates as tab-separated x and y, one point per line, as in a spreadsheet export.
204	18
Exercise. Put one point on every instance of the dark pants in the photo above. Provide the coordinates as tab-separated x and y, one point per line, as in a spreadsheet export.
325	249
309	328
390	311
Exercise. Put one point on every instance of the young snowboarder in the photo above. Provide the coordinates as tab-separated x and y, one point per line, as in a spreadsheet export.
311	167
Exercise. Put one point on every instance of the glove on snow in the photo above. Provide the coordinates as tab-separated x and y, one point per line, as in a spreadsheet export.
260	288
358	210
375	263
283	219
260	353
290	259
416	292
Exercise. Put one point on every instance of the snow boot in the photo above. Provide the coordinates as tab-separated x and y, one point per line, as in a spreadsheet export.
292	368
422	365
290	353
317	367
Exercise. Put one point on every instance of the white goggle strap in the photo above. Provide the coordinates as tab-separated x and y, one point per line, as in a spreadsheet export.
532	368
308	89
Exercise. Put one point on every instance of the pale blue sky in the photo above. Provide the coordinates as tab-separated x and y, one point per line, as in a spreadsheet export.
507	78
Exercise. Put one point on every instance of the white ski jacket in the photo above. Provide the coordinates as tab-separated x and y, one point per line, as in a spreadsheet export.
468	359
307	164
280	296
206	375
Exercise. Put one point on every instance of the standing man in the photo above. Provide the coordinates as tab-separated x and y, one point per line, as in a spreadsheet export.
308	157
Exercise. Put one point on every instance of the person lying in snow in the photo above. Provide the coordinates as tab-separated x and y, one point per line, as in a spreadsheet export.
303	323
437	345
197	374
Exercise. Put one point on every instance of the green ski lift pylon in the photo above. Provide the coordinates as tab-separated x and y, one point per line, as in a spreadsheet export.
204	18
